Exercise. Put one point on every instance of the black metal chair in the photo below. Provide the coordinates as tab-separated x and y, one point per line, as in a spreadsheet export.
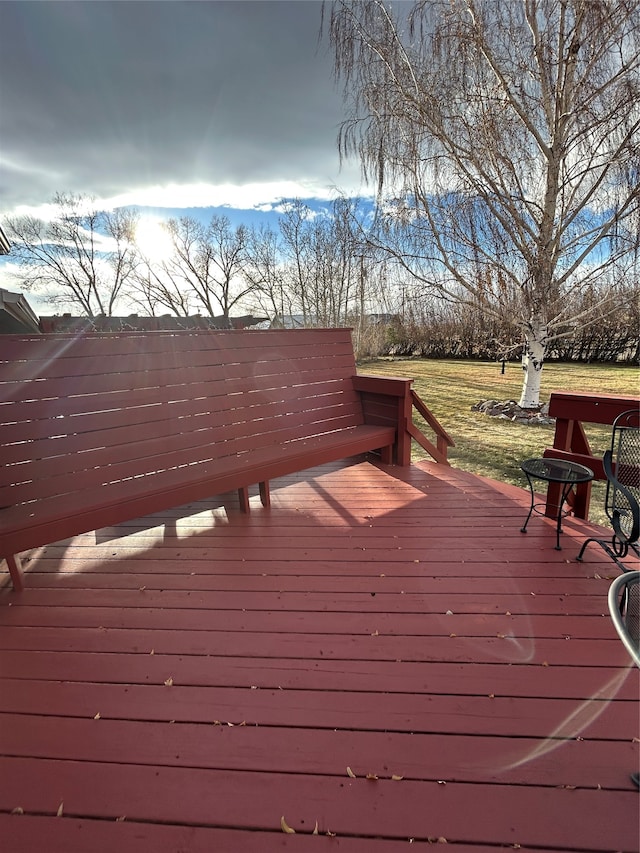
624	607
621	465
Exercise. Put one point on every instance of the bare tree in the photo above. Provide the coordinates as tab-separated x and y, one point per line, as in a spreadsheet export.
82	257
298	256
504	139
325	257
266	273
210	259
157	286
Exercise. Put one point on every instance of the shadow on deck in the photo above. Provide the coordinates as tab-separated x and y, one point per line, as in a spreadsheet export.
380	658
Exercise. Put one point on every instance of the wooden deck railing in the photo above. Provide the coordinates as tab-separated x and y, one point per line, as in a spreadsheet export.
570	442
443	439
397	408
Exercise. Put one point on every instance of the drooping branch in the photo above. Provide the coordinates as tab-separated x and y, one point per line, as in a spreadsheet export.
507	135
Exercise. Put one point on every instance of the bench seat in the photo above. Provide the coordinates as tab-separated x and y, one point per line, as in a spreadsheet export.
58	517
571	410
99	429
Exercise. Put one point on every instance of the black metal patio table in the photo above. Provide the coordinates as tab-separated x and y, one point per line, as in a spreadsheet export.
554	471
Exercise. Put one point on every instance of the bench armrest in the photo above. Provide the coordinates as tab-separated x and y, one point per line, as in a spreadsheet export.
391	386
386	401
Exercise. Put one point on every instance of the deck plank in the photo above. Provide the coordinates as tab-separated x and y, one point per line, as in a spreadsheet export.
353	807
99	836
578	652
450	678
412	755
500	716
391	621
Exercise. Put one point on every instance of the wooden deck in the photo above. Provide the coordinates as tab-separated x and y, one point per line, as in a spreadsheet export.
382	658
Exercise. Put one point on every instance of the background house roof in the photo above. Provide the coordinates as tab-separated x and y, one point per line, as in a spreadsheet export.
134	323
16	315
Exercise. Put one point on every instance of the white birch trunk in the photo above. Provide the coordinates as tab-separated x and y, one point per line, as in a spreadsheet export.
532	361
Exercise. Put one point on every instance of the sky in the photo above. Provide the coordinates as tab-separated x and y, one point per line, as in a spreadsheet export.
171	105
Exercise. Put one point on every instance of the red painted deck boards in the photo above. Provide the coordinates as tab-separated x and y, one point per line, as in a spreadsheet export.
462	812
579	652
305	639
413	755
367	711
98	836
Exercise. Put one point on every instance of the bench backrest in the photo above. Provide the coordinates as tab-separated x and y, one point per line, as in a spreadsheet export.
77	404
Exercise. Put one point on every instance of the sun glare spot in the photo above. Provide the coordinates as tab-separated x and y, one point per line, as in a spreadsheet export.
153	240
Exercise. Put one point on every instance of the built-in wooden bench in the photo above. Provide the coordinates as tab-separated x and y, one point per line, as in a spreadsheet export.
100	428
571	410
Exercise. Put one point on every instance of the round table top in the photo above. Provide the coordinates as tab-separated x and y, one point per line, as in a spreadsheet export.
557	470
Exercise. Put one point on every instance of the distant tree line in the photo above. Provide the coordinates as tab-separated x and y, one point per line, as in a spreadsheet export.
315	269
466	332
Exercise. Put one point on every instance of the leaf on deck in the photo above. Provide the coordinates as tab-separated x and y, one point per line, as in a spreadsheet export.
285	826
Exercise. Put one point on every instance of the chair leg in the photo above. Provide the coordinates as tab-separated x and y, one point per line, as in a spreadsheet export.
608	548
582	550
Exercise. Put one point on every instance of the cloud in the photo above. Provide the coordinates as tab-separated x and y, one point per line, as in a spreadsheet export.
263	197
232	101
252	196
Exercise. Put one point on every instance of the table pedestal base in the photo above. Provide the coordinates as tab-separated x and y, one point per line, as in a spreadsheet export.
566	488
561	472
